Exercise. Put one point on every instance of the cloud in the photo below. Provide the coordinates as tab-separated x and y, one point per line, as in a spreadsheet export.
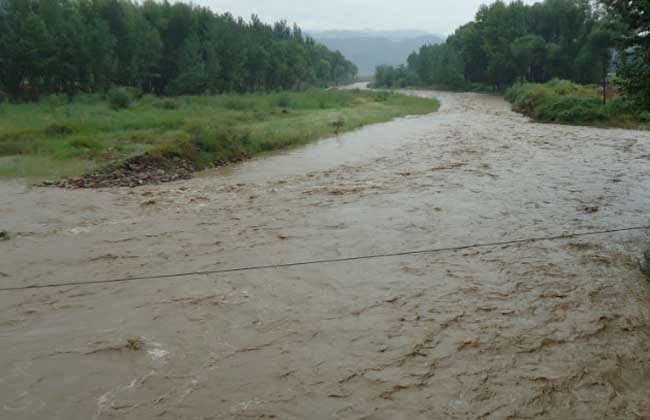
441	16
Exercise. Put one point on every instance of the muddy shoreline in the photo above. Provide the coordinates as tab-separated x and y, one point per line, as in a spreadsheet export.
548	330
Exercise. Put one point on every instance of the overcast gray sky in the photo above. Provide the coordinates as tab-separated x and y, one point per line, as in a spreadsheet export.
440	16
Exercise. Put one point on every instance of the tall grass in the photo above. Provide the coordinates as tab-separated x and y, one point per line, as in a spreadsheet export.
71	137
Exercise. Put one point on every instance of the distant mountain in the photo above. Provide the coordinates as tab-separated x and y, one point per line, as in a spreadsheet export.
369	33
368	49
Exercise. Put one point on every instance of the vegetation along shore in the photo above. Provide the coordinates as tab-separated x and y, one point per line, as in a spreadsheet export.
169	138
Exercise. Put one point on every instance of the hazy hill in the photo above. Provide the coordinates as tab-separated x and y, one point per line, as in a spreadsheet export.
368	49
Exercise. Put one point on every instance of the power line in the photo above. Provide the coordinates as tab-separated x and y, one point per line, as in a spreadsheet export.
323	261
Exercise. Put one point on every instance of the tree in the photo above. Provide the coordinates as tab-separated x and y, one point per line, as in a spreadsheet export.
529	53
635	71
51	46
510	42
100	47
23	38
601	42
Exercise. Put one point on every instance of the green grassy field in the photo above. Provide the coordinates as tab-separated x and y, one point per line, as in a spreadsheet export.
564	102
54	138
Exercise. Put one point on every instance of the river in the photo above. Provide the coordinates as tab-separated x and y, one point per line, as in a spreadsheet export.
555	329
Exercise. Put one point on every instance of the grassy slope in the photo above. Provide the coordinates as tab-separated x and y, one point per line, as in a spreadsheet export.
564	102
54	139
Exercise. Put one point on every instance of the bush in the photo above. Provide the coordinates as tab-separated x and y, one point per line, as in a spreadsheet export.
620	107
565	88
119	99
526	97
563	101
644	117
570	109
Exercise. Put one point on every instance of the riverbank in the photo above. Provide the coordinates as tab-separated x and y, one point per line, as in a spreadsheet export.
559	102
55	139
564	102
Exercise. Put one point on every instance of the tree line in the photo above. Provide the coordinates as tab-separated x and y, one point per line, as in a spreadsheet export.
634	72
67	46
576	40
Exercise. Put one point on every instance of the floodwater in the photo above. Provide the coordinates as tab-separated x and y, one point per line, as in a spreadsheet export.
548	330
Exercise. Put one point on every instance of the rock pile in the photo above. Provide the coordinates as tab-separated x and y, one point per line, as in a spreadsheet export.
139	170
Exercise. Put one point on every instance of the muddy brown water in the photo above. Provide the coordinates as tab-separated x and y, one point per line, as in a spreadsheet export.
546	330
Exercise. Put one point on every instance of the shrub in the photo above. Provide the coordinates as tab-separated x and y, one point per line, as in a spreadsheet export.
582	113
119	99
563	87
526	97
570	109
563	101
644	117
620	106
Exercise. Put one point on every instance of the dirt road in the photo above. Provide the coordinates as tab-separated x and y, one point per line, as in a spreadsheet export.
547	330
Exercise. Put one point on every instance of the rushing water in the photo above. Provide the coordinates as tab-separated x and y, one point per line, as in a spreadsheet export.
548	330
350	148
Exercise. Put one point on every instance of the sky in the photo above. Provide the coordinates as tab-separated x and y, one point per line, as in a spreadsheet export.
437	16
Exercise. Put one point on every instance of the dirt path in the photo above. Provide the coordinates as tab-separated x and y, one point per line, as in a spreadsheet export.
548	330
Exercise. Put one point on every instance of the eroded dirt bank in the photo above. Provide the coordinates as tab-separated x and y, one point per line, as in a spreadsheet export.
549	330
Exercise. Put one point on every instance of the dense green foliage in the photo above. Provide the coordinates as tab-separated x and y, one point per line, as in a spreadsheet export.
55	137
515	42
390	76
561	101
635	71
119	98
66	46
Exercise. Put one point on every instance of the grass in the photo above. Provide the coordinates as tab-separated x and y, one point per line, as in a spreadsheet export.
564	102
55	138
